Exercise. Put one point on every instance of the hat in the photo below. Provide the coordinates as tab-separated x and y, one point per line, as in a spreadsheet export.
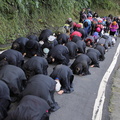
81	24
78	25
41	42
95	34
114	22
74	23
70	19
58	85
98	29
51	38
46	50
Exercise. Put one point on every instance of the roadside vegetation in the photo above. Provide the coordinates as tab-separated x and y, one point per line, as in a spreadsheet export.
22	17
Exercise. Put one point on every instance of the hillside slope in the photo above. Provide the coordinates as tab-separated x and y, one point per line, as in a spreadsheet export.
23	17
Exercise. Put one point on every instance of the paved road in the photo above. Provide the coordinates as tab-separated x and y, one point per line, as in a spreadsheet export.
79	104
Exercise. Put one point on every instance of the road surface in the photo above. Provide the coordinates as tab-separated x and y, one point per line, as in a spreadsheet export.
80	104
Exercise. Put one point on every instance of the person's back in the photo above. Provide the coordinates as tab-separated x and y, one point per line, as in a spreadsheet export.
5	99
13	57
42	86
33	48
35	65
30	108
60	54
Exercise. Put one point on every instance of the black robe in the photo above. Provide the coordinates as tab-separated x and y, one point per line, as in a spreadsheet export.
49	45
14	77
82	31
72	47
13	57
81	46
108	42
94	58
19	44
81	65
62	38
76	38
102	51
65	75
42	86
32	48
60	53
96	51
33	37
45	34
4	99
35	65
30	108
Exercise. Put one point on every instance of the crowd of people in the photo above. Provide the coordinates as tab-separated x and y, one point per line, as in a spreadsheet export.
24	77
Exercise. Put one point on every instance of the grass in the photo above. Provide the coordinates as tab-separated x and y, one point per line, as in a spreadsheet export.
36	16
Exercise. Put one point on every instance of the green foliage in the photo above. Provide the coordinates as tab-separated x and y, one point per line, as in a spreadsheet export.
23	17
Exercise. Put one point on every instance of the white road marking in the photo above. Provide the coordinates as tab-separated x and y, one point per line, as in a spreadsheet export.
98	106
1	51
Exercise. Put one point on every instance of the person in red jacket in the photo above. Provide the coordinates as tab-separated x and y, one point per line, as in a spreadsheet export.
75	33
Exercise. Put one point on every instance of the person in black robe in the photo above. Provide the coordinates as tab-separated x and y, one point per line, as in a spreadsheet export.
81	46
59	54
35	65
62	38
108	43
33	37
50	42
90	40
83	32
76	38
83	15
72	47
5	99
13	57
65	76
19	44
80	66
96	51
30	108
45	34
103	42
42	86
94	58
33	48
14	77
101	49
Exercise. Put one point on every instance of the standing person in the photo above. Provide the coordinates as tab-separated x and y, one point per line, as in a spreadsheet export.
83	15
89	12
118	21
113	28
70	23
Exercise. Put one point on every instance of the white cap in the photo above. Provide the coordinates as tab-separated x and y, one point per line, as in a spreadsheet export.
58	85
51	38
41	42
46	50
